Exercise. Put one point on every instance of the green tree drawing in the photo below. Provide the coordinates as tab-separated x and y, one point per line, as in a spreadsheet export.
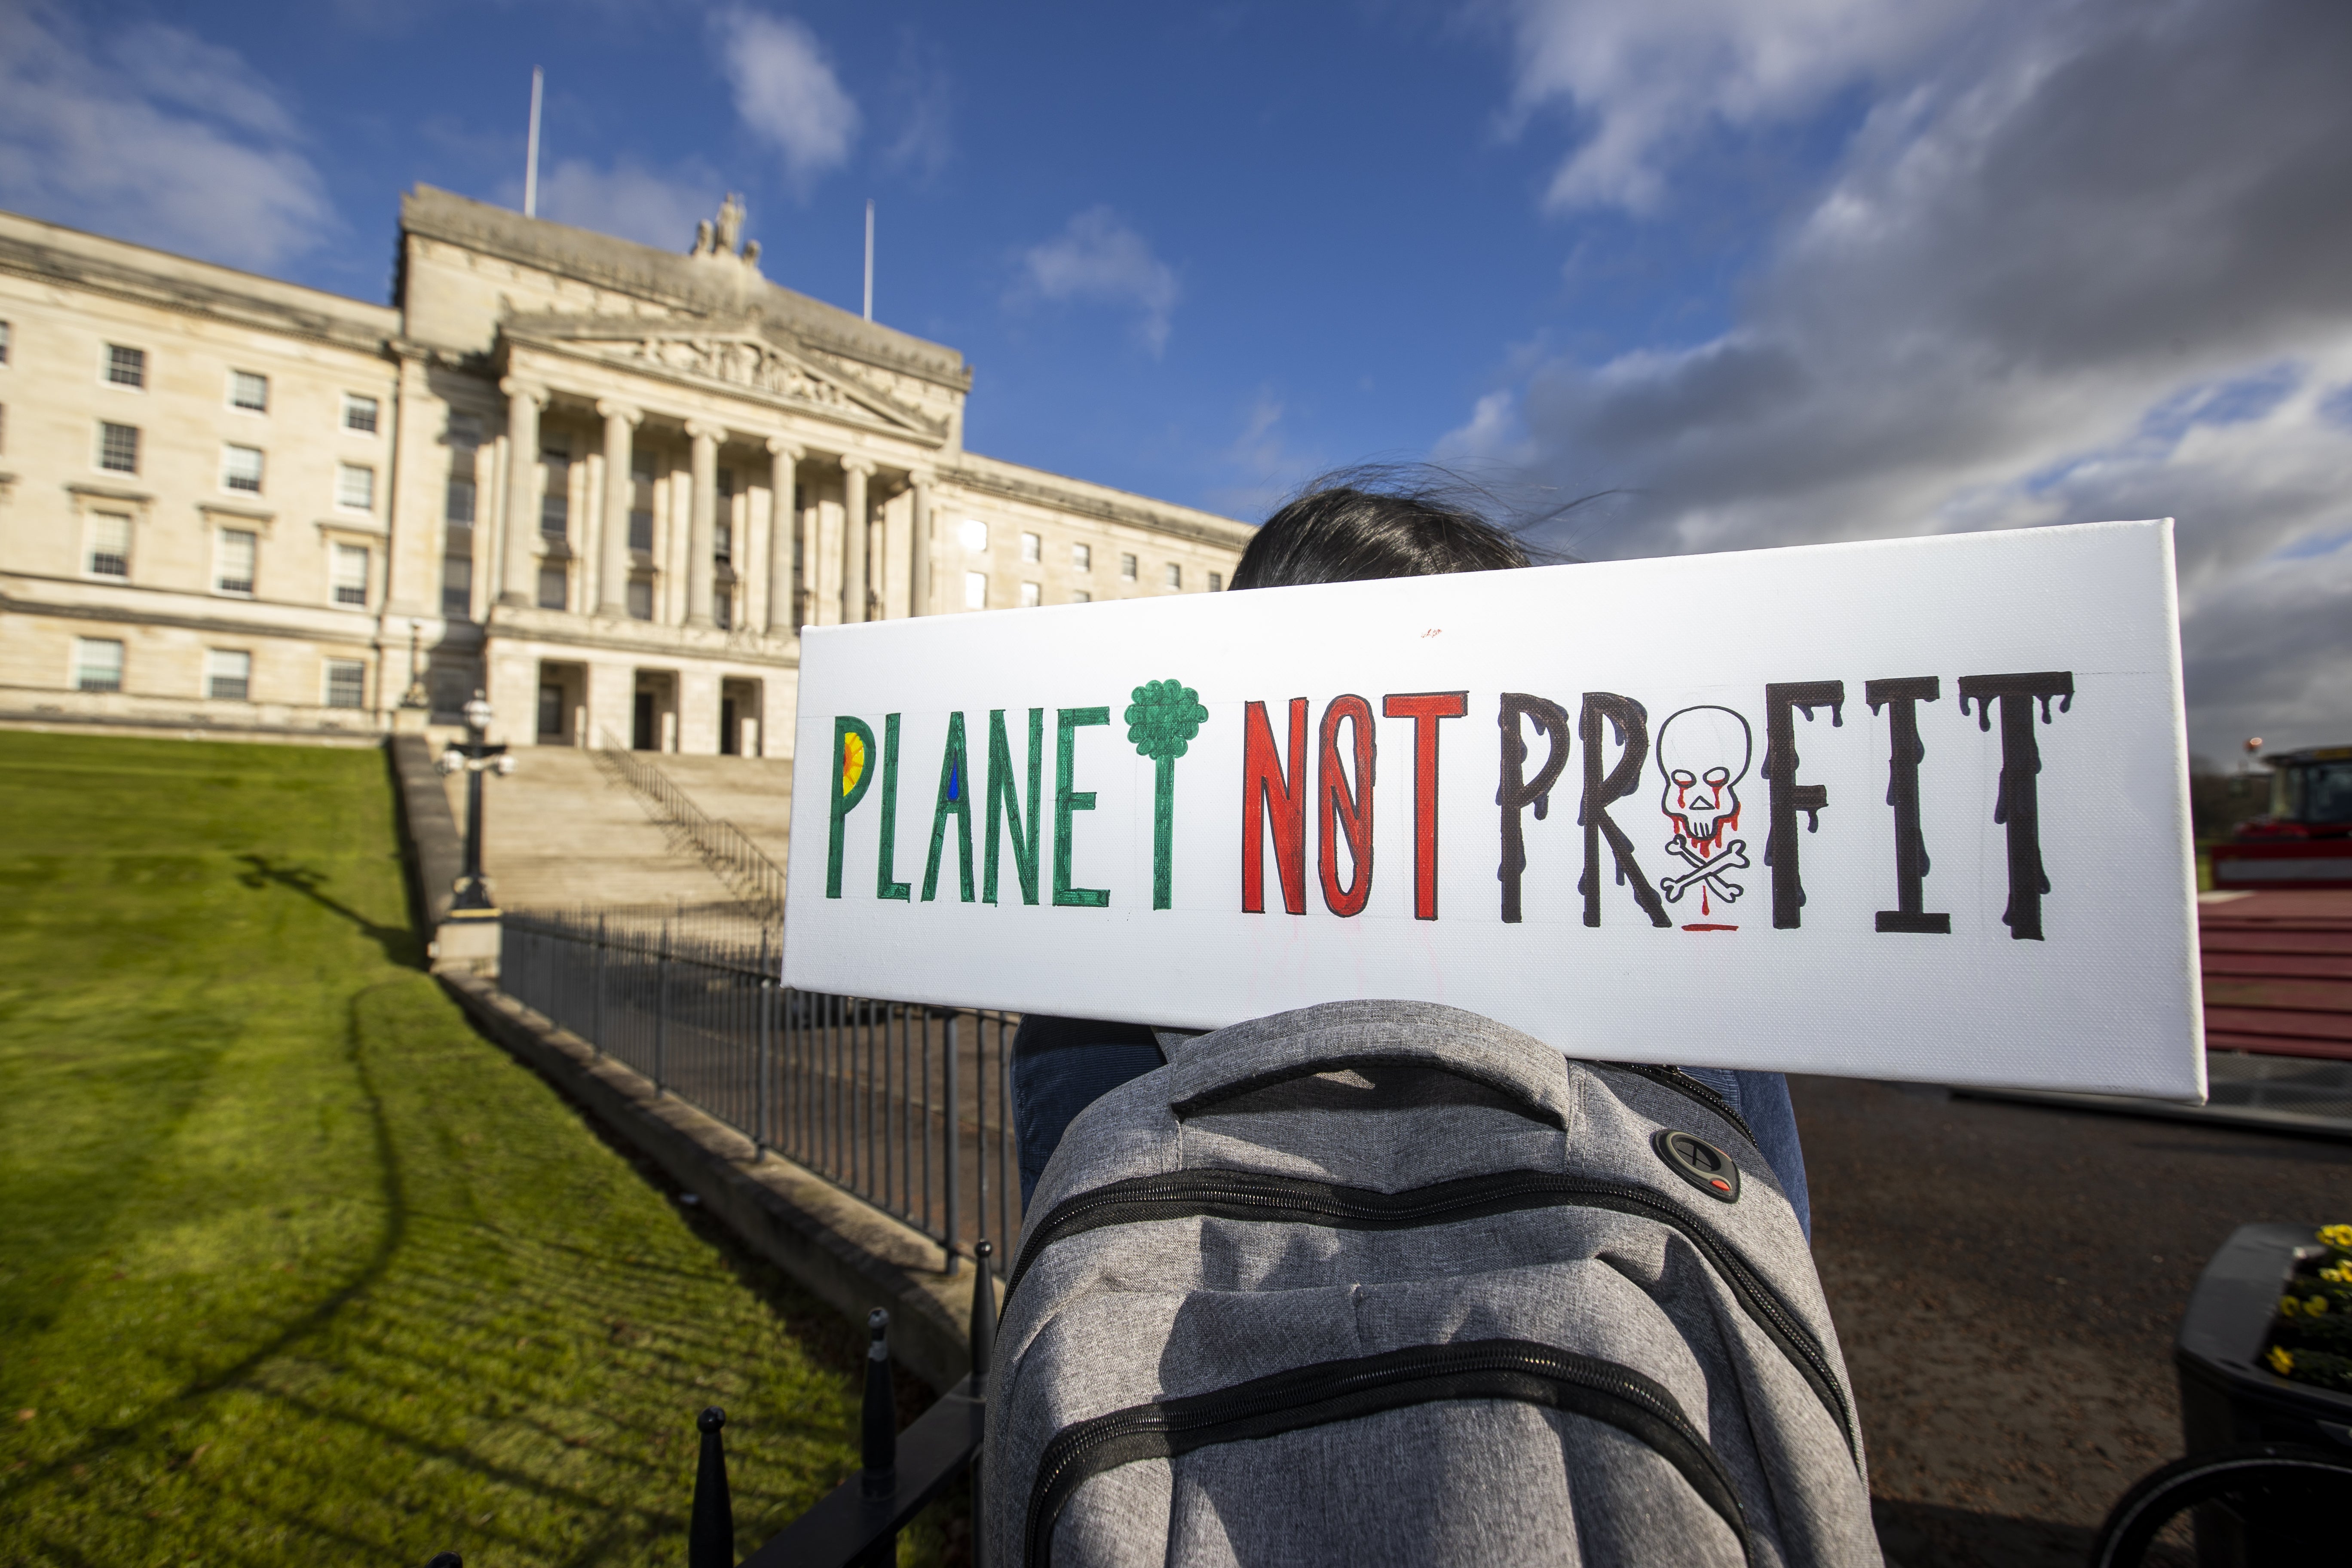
1161	722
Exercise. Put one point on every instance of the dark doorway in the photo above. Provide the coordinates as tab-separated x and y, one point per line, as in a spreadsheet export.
645	730
551	712
729	742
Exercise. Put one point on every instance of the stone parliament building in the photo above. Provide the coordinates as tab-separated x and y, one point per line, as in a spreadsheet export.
606	483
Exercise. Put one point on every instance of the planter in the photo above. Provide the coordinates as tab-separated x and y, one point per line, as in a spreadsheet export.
2229	1395
2232	1399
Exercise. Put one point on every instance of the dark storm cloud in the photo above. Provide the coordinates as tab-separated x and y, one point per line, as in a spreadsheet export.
2093	262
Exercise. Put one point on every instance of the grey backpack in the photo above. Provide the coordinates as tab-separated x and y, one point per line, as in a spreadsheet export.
1388	1282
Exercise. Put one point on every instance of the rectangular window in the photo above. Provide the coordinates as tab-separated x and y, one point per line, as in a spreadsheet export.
460	508
1175	575
975	590
97	664
233	573
551	584
3	342
1080	596
228	674
465	430
724	522
346	683
555	502
241	469
457	586
1216	582
109	544
118	448
1033	549
126	367
1082	557
641	599
349	569
640	505
1032	596
722	609
355	487
1126	567
358	414
974	534
249	391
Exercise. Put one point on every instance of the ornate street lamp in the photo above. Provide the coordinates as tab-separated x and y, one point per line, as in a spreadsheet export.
475	756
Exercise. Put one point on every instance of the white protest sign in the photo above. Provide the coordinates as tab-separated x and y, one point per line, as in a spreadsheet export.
1914	809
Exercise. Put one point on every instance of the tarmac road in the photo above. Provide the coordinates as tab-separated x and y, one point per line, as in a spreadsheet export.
2006	1280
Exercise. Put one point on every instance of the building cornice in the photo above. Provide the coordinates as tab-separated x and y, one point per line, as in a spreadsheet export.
200	289
720	285
1205	528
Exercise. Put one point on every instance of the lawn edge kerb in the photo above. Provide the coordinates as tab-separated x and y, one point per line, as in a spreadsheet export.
845	1252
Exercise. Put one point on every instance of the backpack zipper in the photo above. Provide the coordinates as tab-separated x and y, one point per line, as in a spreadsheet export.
1253	1195
1369	1385
1681	1083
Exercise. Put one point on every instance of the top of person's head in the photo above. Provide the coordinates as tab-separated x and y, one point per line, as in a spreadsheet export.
1359	525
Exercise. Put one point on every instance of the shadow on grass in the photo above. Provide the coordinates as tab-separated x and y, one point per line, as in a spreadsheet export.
395	1208
399	942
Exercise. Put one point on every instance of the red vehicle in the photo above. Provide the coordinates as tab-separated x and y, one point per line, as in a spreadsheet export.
2306	838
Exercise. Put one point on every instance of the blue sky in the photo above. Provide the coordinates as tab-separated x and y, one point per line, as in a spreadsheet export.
1767	272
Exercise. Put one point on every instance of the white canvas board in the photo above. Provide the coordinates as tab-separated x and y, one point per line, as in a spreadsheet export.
1848	954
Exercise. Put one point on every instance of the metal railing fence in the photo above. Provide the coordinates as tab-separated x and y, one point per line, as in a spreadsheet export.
727	849
905	1106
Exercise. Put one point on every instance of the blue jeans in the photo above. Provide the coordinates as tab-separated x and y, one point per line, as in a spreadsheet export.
1061	1065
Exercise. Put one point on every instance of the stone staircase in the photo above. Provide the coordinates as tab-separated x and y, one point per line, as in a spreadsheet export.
561	831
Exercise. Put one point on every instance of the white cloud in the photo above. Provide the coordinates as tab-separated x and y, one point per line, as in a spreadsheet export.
1640	78
923	96
1266	466
1098	260
652	207
786	92
156	136
2090	266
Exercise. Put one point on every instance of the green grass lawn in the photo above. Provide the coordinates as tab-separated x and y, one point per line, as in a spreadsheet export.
297	1269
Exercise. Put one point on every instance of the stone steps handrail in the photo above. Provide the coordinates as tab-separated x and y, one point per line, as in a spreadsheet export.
725	848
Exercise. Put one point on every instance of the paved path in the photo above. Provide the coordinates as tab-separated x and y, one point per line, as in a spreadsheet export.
2006	1280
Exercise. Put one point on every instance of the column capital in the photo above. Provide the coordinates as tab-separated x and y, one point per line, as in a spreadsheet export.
705	430
924	477
609	408
786	447
853	464
515	386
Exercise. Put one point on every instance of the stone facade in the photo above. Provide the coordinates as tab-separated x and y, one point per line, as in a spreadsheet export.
607	484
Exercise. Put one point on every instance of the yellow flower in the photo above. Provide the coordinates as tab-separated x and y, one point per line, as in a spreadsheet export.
2289	1306
2338	1236
2316	1305
2281	1361
2340	1275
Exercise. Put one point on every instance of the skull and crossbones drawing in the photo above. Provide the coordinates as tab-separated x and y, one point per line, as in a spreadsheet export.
1704	753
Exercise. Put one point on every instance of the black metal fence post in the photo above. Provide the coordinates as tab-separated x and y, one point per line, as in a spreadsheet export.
661	1015
954	1226
711	1529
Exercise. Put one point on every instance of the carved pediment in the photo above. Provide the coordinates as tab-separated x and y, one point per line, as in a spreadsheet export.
741	356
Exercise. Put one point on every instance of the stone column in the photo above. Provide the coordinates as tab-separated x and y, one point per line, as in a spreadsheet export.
856	526
620	487
811	560
517	585
918	552
783	524
702	536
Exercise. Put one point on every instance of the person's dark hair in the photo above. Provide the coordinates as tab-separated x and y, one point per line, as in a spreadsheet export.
1359	523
